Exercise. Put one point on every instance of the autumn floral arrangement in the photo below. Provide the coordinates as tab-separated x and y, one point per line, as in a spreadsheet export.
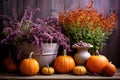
88	25
38	31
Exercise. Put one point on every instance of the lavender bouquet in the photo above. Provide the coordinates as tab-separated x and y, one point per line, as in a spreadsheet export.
38	31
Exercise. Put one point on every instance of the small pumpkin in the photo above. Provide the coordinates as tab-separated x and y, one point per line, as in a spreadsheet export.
96	63
48	70
79	70
7	61
64	63
110	69
29	66
12	67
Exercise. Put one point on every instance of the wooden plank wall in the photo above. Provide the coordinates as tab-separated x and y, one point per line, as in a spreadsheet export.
53	7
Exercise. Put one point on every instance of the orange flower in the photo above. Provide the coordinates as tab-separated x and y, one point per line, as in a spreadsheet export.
83	17
87	25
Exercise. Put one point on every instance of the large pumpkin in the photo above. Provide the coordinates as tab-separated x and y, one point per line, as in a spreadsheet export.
64	63
29	66
96	63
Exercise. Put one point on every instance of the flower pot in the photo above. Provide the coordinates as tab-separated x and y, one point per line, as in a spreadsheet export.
47	56
82	55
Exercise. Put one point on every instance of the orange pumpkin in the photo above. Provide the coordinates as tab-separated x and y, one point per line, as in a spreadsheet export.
12	67
29	66
110	69
96	63
64	63
7	61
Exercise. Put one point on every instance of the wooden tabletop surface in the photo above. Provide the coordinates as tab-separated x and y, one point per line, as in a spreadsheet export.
7	76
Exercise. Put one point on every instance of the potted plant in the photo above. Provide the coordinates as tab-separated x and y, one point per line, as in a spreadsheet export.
38	35
88	25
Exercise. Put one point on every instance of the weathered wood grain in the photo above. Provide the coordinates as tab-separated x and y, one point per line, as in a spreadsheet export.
70	76
53	7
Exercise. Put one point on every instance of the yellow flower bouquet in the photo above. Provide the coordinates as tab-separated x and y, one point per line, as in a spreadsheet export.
88	25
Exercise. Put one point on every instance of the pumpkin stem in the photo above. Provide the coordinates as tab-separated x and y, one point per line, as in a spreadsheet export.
31	55
10	54
47	66
64	52
110	62
97	52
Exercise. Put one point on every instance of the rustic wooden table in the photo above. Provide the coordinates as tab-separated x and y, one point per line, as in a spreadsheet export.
7	76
